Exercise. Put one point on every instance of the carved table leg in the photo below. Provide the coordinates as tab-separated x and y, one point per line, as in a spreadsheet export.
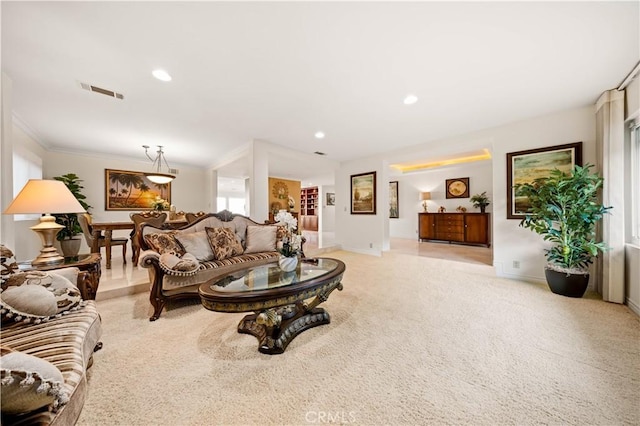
275	328
107	246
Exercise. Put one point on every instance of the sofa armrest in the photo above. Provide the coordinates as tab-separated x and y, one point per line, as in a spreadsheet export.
148	257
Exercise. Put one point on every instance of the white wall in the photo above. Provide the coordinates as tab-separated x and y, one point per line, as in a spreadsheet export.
328	216
410	186
27	243
189	189
363	233
510	242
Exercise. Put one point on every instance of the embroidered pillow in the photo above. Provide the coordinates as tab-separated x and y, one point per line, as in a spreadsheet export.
36	296
8	264
197	244
28	383
261	238
164	242
224	243
186	266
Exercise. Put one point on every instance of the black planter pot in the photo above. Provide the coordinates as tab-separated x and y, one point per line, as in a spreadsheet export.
570	285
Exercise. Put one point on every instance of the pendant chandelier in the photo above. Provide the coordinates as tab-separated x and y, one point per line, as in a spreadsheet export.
156	176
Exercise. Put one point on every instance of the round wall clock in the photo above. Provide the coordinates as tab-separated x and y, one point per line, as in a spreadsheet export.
457	188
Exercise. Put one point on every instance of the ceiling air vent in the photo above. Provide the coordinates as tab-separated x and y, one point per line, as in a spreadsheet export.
319	153
102	91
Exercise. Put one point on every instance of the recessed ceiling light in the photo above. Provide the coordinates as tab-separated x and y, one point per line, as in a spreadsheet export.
161	75
319	135
410	99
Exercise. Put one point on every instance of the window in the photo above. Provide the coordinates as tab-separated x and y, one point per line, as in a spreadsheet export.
635	182
26	165
233	204
221	203
236	205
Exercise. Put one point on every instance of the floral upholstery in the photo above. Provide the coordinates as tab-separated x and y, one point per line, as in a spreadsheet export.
165	242
224	243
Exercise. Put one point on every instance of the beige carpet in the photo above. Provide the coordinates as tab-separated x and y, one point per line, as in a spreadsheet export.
413	341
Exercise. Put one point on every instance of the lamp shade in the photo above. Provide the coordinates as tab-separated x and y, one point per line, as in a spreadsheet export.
44	196
425	196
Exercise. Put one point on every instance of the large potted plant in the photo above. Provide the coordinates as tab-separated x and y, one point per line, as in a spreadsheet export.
68	236
565	210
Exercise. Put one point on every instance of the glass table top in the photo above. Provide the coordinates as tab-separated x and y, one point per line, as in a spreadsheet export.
270	276
68	261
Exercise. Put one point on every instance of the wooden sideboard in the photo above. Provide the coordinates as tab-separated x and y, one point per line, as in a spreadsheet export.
463	228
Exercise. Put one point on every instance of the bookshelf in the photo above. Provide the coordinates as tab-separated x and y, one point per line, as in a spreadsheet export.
309	208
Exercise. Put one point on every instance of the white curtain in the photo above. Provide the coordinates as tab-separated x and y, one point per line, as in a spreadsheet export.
610	159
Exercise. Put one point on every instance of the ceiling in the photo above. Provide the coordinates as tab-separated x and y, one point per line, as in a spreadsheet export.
279	72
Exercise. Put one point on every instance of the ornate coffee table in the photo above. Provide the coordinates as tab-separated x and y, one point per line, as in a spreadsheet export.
277	299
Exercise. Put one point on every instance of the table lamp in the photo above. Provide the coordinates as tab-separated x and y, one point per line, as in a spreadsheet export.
45	196
424	196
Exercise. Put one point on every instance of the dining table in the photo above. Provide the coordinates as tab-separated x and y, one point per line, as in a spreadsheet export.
108	227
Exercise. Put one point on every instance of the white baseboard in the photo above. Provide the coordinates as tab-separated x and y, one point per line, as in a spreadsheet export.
372	252
633	306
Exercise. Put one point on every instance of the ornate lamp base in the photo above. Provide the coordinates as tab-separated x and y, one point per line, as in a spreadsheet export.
47	230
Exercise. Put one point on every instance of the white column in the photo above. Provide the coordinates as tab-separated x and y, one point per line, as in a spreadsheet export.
212	189
259	182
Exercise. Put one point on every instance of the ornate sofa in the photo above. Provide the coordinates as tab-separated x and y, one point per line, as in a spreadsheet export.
45	357
178	261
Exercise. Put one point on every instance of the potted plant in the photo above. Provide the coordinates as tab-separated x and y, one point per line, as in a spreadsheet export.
565	210
69	243
480	200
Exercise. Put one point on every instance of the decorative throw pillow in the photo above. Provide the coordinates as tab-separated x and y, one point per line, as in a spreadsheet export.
164	242
261	238
28	383
197	244
8	264
282	231
36	296
224	243
174	265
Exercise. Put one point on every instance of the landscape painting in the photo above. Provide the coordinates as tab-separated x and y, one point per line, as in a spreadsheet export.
527	166
394	210
363	193
127	190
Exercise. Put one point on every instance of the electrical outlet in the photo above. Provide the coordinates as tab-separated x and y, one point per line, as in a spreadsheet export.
370	245
516	264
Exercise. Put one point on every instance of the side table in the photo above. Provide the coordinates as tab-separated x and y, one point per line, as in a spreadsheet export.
89	263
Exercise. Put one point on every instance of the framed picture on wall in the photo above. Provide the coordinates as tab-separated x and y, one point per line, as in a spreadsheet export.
127	190
527	166
457	188
331	199
363	193
394	212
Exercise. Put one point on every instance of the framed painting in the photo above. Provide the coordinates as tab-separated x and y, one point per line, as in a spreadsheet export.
127	190
363	193
527	166
331	199
457	188
394	212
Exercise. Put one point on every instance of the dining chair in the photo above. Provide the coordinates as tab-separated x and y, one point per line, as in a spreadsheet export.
192	217
153	218
85	220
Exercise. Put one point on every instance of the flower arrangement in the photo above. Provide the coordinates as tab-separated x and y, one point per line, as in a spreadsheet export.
160	204
291	241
